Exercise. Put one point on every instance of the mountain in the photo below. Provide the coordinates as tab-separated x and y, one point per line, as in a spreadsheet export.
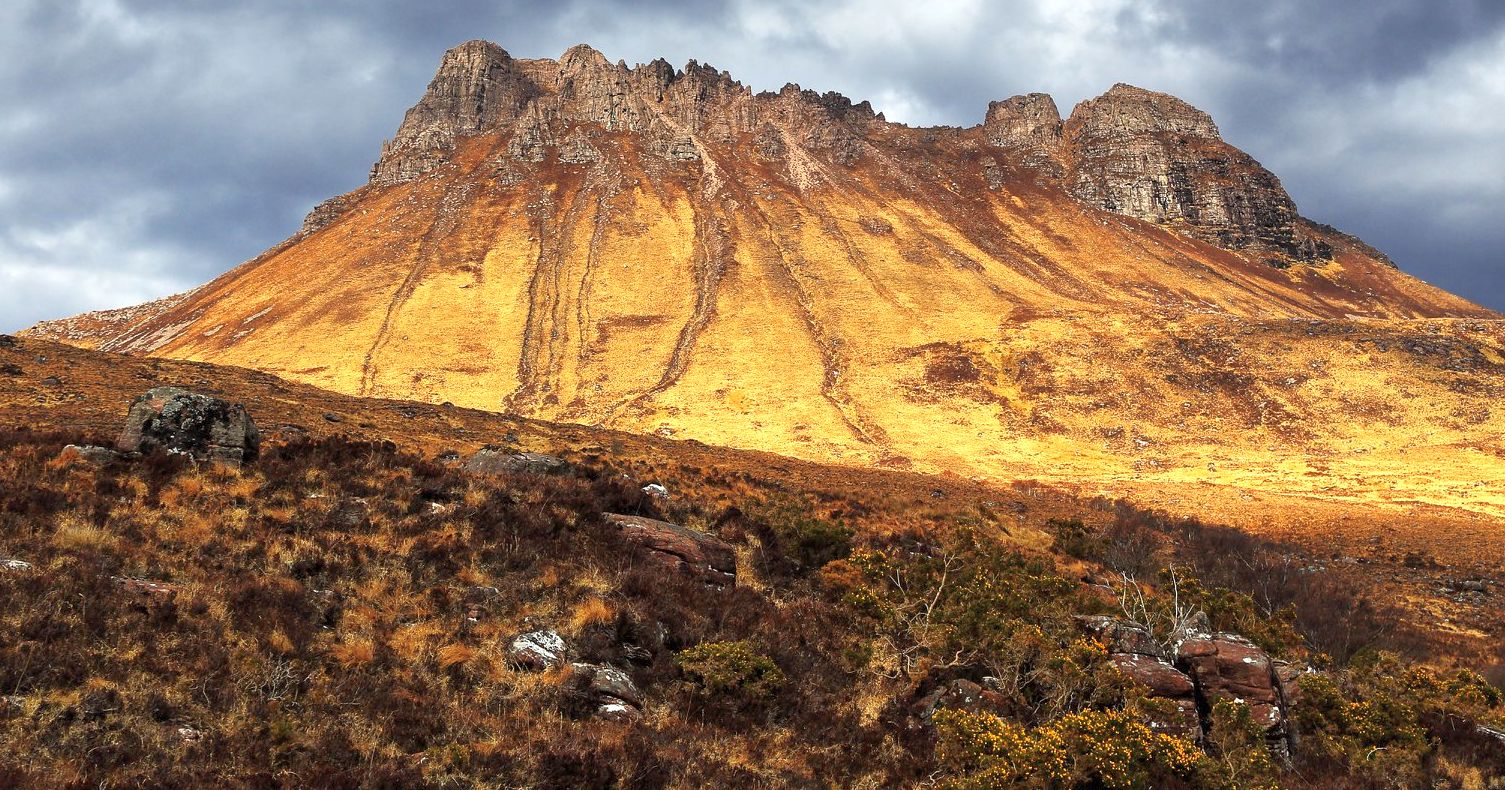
1118	300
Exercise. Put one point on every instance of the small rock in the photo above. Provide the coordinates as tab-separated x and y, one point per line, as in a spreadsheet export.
52	381
99	456
190	735
15	566
350	513
538	651
146	588
609	692
656	491
330	416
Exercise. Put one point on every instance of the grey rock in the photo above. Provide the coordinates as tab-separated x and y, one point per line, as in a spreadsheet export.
538	651
180	421
495	462
1154	157
89	453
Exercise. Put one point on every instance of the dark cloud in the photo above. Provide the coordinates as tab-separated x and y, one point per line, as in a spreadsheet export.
148	145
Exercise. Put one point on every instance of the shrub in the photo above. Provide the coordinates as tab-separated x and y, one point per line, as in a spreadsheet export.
1091	749
799	535
731	670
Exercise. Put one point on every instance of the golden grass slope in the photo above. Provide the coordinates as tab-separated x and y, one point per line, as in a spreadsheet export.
933	308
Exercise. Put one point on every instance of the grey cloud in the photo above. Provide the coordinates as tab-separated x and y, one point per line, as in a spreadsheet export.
148	145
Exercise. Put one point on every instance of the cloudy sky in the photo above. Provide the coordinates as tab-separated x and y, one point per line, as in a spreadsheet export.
148	145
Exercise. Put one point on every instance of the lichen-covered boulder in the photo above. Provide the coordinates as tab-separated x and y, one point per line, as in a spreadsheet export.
1229	667
1172	695
608	692
180	421
538	651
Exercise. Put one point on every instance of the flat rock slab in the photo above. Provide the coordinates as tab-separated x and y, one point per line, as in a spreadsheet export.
495	462
680	549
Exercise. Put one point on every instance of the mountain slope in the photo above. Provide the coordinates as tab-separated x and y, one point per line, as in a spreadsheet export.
1119	298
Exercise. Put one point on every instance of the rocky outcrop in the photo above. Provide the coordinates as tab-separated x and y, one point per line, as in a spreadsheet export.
1186	675
679	549
180	421
1229	667
1154	157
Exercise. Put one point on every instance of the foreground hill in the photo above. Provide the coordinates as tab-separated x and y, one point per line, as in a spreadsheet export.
343	610
1119	301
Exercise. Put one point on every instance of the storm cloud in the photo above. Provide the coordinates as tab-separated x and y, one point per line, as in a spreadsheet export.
146	145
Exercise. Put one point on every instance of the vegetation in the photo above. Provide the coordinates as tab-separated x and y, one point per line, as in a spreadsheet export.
337	615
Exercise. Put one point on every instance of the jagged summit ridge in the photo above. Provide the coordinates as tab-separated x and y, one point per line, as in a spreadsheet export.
1130	151
480	88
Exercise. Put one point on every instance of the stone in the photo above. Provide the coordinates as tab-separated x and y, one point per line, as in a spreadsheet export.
14	566
608	692
1229	667
180	421
1119	636
656	490
496	462
538	651
1174	693
146	589
88	453
679	549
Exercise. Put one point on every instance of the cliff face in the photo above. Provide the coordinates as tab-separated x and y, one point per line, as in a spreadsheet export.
1154	157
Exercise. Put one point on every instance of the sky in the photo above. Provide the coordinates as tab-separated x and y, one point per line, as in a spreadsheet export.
149	145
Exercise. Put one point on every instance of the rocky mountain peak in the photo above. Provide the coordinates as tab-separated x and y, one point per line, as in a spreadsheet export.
1025	122
1129	110
1154	157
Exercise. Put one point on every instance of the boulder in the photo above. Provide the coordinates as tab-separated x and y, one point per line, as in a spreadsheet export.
607	691
496	462
1120	636
1175	711
538	651
960	694
680	549
1229	667
180	421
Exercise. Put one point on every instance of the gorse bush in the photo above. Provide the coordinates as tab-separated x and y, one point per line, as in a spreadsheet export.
733	671
1091	749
